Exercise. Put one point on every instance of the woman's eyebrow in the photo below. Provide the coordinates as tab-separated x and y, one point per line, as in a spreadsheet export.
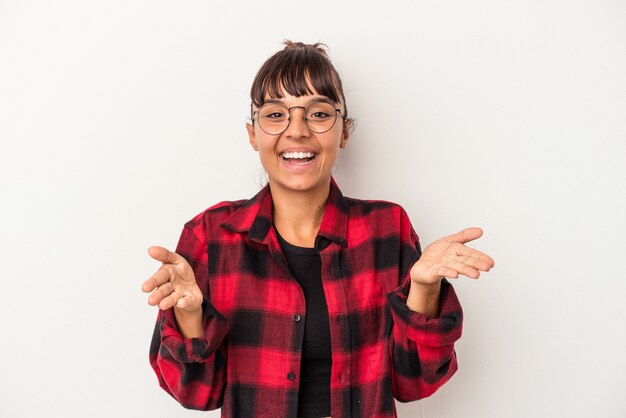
277	101
321	99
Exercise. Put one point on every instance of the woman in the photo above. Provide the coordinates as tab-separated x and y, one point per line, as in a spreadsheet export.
300	301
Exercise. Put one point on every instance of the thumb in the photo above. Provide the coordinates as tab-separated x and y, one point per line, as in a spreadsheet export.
163	255
466	235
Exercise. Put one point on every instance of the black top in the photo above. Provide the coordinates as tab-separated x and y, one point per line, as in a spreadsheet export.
305	265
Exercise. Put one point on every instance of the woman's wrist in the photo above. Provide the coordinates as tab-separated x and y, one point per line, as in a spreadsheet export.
424	298
189	323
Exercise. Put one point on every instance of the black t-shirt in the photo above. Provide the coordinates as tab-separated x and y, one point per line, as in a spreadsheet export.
305	265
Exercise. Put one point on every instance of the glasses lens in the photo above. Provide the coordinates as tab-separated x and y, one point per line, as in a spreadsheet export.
273	118
320	117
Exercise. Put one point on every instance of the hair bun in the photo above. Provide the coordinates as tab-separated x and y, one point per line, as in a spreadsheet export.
320	47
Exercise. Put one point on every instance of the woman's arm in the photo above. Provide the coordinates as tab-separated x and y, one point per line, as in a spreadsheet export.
426	312
189	323
424	299
186	352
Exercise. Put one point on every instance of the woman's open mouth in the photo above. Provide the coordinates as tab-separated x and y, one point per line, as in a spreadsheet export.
298	158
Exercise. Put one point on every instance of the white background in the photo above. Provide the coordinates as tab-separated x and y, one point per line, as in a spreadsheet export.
121	120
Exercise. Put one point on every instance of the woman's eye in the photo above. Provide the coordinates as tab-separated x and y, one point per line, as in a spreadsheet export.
274	115
320	115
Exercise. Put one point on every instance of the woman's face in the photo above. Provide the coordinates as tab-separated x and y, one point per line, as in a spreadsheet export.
276	151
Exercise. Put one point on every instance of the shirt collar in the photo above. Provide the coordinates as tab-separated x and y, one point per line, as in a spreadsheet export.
255	216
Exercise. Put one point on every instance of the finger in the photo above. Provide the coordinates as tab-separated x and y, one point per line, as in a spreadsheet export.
466	235
444	271
163	255
475	262
169	301
487	261
163	291
463	269
185	302
162	275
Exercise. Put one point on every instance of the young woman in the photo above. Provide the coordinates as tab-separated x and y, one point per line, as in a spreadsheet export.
300	302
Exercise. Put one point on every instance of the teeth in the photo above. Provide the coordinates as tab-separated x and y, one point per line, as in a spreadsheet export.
298	155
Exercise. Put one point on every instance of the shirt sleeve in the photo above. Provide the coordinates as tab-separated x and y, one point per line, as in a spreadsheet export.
422	348
192	370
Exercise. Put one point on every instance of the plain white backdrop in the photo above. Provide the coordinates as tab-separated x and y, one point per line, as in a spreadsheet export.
121	120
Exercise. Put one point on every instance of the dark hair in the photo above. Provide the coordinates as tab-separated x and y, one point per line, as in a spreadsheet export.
291	68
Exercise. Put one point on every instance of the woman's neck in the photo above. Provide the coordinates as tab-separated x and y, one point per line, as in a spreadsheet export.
298	214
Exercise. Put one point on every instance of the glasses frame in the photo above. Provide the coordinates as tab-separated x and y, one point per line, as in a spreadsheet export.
306	120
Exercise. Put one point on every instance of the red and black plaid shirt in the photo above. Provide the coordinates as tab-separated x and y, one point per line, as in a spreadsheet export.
248	362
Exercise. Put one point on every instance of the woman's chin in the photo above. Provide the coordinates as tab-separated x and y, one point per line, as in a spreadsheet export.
301	183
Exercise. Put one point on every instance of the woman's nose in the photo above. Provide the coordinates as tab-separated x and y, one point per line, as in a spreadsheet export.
297	126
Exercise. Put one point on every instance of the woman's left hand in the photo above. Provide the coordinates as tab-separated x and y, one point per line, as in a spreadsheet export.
448	257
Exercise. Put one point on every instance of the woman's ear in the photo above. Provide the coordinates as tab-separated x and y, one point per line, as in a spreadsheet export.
345	135
252	136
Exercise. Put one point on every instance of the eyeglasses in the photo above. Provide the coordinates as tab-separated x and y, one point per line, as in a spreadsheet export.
274	118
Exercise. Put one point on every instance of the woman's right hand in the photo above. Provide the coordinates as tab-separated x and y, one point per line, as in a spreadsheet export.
175	283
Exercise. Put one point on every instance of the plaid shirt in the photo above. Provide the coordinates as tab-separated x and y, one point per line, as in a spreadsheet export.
253	314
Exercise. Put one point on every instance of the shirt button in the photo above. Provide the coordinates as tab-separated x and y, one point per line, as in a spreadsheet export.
297	318
291	376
